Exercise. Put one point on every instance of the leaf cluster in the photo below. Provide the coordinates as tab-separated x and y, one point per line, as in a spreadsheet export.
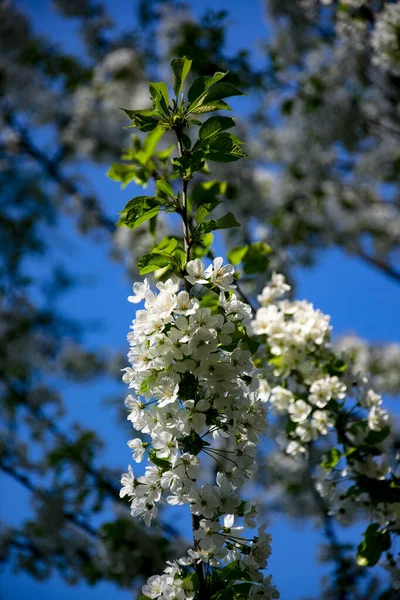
145	161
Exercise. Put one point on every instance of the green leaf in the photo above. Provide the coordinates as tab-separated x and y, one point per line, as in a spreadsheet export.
180	69
200	86
337	366
159	94
332	458
257	258
140	209
204	210
193	580
151	262
144	123
180	258
202	245
166	254
166	246
374	543
233	572
145	216
145	112
164	155
207	191
253	256
224	148
123	173
214	125
145	119
224	222
377	437
163	186
159	88
153	225
221	90
151	141
201	109
236	255
163	463
187	142
210	300
186	166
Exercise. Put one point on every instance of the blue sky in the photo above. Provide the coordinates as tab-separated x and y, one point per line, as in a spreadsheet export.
359	300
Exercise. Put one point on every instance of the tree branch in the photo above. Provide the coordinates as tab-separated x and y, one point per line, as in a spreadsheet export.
379	264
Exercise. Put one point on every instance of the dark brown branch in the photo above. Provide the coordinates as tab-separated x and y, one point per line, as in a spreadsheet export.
184	210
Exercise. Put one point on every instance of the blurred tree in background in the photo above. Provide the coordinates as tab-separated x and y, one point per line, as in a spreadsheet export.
324	140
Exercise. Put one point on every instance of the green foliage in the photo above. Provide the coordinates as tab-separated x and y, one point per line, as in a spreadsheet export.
140	209
180	68
204	210
215	125
143	160
202	245
225	222
253	257
159	95
232	582
162	463
206	94
123	173
208	191
375	542
165	188
200	86
220	147
332	458
168	253
144	120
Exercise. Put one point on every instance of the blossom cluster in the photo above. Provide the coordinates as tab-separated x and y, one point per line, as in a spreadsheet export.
385	39
204	370
298	351
194	385
309	386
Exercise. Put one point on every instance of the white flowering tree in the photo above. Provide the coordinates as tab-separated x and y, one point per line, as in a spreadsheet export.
207	366
49	92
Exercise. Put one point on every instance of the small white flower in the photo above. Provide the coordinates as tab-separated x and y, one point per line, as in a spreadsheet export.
171	286
221	276
196	273
127	480
322	420
154	587
281	398
166	391
139	289
299	411
186	305
378	418
138	449
370	399
165	444
208	535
